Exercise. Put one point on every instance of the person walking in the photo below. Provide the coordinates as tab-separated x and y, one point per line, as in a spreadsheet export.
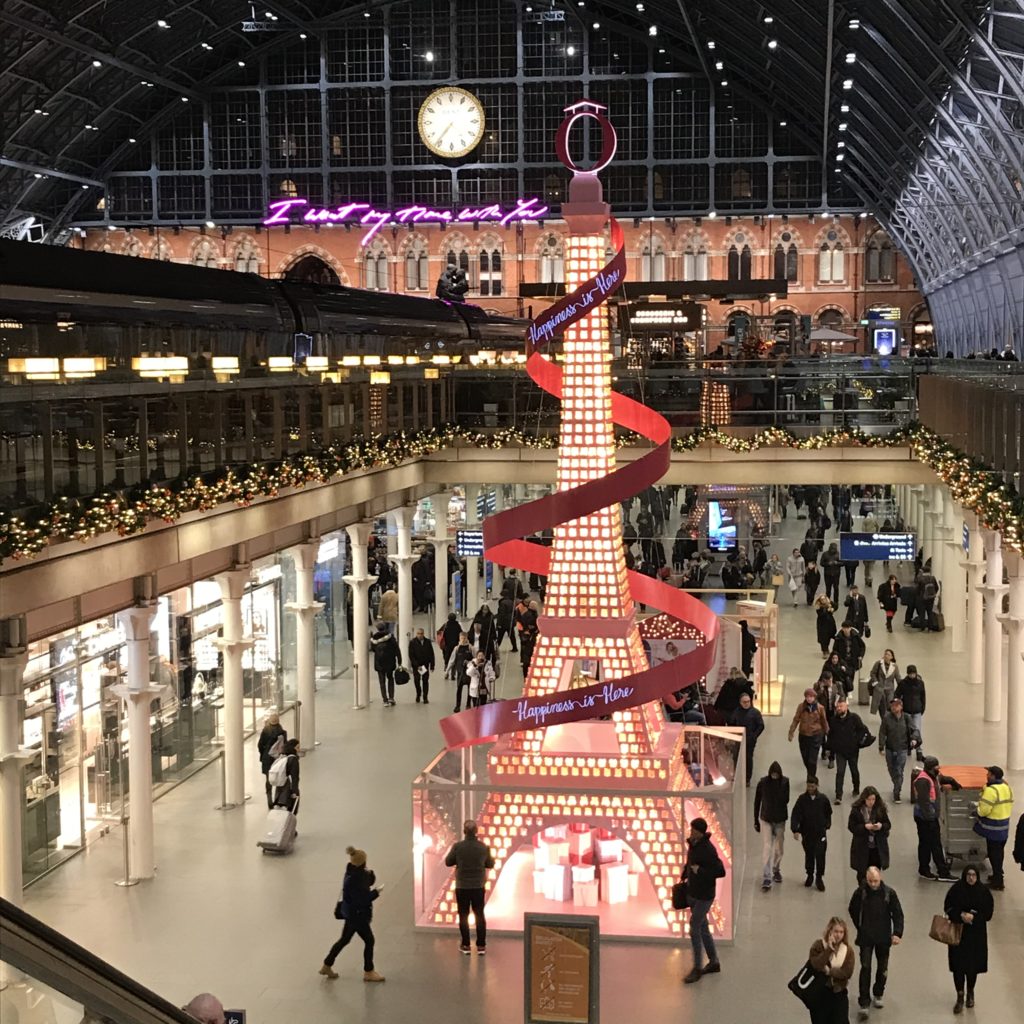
1018	843
927	787
528	636
484	633
857	610
877	915
849	645
703	869
795	567
421	661
830	569
387	656
927	591
847	734
809	823
472	859
748	718
897	737
481	680
911	691
286	792
970	904
825	626
833	956
448	636
268	748
812	724
812	580
869	826
503	620
889	599
771	812
387	612
882	682
995	808
457	667
359	889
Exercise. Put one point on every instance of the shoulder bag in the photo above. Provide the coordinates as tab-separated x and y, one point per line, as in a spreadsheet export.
945	931
809	985
679	901
401	676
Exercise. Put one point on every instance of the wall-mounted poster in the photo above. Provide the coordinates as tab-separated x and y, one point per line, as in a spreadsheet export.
562	978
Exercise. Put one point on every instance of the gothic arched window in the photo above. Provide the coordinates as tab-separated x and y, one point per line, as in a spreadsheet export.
552	261
490	271
416	267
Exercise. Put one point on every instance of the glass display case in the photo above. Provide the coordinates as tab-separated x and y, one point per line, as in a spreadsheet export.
606	844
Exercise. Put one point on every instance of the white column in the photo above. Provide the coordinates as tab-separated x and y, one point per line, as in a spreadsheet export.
1014	623
935	519
975	566
403	564
13	758
472	562
994	590
921	519
954	586
232	643
442	600
305	609
138	692
359	581
498	576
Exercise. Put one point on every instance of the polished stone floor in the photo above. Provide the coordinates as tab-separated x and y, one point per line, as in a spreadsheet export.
254	929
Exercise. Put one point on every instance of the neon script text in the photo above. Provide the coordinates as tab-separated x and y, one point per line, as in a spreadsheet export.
285	211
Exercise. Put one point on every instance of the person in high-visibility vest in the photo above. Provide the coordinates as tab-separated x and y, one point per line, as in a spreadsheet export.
995	807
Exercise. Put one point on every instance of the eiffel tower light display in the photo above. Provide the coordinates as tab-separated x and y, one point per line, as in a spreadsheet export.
585	793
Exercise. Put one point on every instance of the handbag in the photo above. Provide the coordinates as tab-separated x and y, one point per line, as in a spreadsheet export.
866	740
778	579
945	931
809	985
867	630
339	910
679	901
401	676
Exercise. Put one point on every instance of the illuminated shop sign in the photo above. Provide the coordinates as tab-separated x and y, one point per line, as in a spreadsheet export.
299	211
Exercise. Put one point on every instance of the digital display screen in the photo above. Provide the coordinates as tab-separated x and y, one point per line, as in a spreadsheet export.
469	543
721	527
877	547
886	340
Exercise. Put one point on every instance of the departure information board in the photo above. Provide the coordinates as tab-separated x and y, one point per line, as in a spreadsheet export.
877	547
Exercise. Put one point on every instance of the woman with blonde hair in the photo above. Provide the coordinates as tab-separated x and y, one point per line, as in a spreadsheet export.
826	624
833	956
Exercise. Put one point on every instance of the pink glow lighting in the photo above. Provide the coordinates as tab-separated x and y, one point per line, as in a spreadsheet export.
285	211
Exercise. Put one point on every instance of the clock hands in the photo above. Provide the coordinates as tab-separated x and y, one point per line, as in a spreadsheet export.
445	132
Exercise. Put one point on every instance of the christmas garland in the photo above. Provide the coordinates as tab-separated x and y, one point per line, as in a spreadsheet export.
972	484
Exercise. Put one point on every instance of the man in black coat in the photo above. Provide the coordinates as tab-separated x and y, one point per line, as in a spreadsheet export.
847	732
387	656
876	913
728	699
857	609
810	822
421	661
771	810
910	689
703	869
748	718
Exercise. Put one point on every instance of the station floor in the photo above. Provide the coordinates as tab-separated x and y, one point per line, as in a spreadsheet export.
254	929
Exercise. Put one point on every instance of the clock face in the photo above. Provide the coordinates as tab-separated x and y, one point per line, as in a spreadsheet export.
451	122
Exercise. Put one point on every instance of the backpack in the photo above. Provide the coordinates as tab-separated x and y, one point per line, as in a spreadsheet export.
929	591
278	774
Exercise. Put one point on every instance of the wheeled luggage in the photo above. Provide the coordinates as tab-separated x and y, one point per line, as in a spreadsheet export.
279	830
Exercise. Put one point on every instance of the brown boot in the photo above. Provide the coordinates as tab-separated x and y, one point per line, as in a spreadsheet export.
328	972
372	976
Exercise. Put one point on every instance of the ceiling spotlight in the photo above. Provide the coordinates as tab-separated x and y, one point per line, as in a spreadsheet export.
210	224
851	58
640	8
241	63
302	35
854	23
711	44
85	187
571	50
847	83
653	30
768	19
206	46
840	144
97	63
725	82
773	44
661	49
162	24
864	214
842	126
131	140
596	25
840	157
845	108
782	124
719	66
429	56
184	99
712	215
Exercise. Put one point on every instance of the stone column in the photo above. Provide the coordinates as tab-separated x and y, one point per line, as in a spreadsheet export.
975	566
232	643
305	609
13	757
138	692
935	520
921	520
994	590
498	575
359	581
442	599
954	586
472	562
402	561
1014	623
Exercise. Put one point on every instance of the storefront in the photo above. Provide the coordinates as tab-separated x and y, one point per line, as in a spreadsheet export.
77	782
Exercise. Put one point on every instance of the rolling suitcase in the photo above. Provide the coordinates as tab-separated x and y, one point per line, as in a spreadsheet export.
279	830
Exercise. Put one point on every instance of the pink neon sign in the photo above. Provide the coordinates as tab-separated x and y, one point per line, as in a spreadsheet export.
282	211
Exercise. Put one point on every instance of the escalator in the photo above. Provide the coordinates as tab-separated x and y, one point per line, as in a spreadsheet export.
45	978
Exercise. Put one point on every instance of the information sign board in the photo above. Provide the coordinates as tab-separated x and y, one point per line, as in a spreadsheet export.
561	971
877	547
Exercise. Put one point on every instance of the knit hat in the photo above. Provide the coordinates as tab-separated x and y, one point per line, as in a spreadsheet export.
357	857
994	769
931	762
700	825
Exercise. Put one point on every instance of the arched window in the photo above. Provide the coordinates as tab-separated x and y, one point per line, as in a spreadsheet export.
779	262
205	255
417	274
695	264
133	247
880	259
745	262
375	267
288	188
831	318
831	260
792	263
312	269
652	262
785	262
247	260
552	261
733	263
490	272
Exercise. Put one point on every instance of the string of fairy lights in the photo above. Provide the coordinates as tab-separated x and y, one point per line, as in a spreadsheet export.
125	512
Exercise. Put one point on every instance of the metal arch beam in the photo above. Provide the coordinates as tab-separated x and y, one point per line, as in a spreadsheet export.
107	58
49	172
692	31
982	40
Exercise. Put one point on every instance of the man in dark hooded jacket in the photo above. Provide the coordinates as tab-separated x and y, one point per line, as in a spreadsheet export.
771	813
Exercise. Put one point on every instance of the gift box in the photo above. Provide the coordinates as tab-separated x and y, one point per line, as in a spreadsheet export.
555	851
538	880
556	832
558	882
583	873
580	839
614	883
584	894
634	883
607	850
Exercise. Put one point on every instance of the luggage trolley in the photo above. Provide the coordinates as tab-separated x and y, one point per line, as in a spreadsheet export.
956	818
